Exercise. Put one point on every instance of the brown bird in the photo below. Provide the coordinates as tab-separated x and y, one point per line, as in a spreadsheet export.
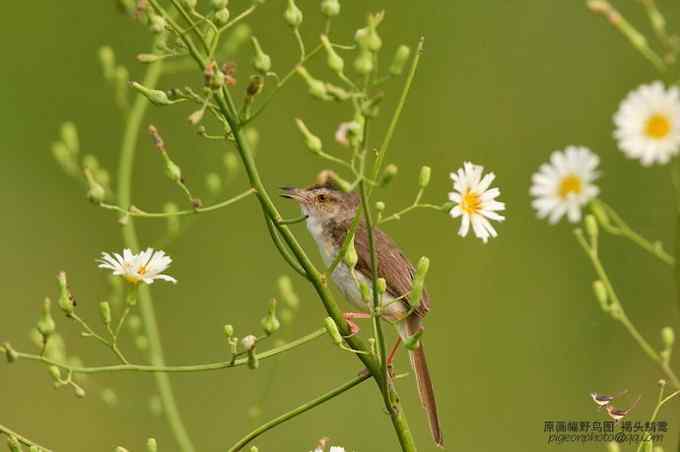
330	214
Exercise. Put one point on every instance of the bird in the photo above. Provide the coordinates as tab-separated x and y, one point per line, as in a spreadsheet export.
617	414
602	400
330	213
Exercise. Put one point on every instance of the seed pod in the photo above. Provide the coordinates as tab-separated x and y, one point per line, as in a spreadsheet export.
399	61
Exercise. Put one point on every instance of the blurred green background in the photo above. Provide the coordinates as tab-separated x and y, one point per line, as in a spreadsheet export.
514	337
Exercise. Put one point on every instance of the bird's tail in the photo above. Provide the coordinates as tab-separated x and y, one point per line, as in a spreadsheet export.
423	381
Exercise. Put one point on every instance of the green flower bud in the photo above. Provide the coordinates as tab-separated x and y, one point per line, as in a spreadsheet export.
424	178
330	8
69	135
334	61
46	325
109	397
287	292
10	354
333	331
380	206
337	93
172	170
107	59
271	323
312	142
231	162
287	316
351	257
413	342
79	392
591	226
399	61
228	331
105	312
66	301
219	4
601	294
155	96
157	24
248	343
65	158
55	373
419	281
236	39
366	293
668	336
151	445
213	183
142	342
447	206
121	449
389	173
261	61
222	17
363	64
293	14
316	88
368	38
254	449
95	193
613	446
382	285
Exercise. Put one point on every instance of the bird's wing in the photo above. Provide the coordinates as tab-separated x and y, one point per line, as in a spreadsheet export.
391	262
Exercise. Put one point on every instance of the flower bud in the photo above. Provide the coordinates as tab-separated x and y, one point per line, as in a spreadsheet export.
599	213
271	323
424	178
109	397
13	444
330	8
382	285
157	23
336	93
447	206
667	336
213	183
389	173
95	193
312	142
105	312
248	342
172	170
155	96
380	206
613	446
151	445
368	38
254	449
231	162
46	325
293	14
287	316
591	226
121	449
69	135
107	59
399	61
287	292
66	301
78	391
65	158
601	294
228	331
413	342
222	17
142	342
419	281
236	39
261	61
363	64
351	257
366	293
333	331
10	354
55	373
334	61
316	88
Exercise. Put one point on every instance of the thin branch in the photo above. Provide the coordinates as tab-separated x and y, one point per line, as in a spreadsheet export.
22	439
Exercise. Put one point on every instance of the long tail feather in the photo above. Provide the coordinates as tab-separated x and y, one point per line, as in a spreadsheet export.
424	383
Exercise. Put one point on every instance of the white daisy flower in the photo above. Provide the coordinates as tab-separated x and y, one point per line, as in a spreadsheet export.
146	267
648	124
565	184
336	449
475	201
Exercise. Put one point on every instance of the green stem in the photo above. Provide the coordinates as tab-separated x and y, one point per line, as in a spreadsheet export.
620	313
174	369
240	444
22	439
127	155
142	214
659	404
676	185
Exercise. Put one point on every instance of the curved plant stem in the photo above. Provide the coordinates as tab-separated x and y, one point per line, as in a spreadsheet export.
661	402
676	184
174	369
240	444
127	155
22	439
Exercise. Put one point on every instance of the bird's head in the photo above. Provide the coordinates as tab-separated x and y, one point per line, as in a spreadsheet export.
323	203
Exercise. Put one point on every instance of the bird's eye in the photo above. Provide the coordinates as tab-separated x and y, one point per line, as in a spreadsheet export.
322	198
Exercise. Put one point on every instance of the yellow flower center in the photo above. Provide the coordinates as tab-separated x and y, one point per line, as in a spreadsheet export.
570	184
135	278
471	203
657	127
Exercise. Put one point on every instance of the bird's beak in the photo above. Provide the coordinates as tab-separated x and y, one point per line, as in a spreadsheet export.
292	193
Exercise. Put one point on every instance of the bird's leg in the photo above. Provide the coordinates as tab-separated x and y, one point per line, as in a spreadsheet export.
391	355
349	316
